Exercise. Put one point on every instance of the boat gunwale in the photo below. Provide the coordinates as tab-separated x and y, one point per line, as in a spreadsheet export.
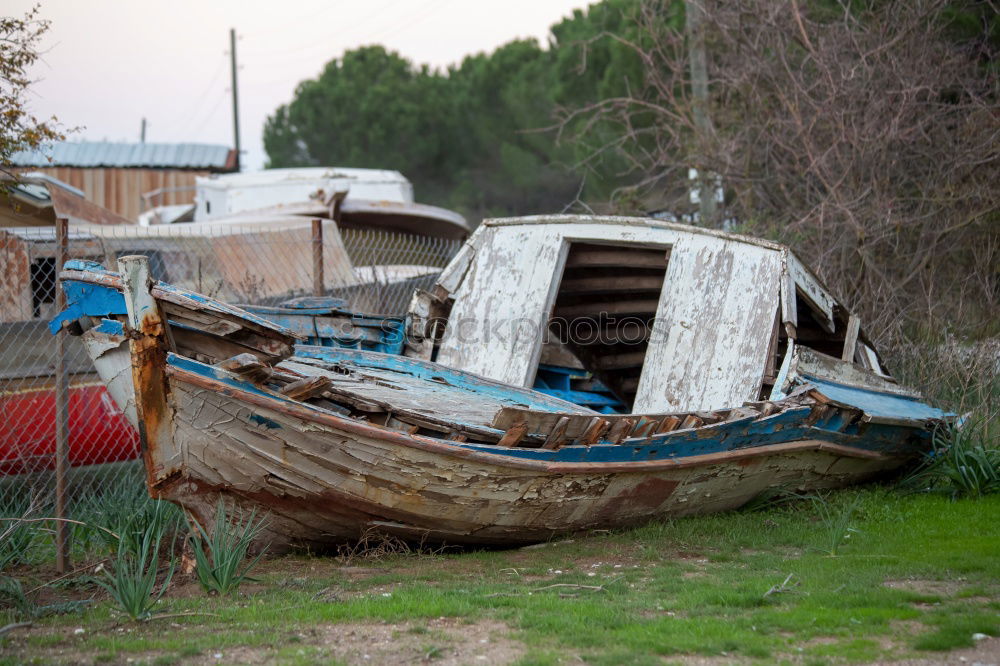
294	409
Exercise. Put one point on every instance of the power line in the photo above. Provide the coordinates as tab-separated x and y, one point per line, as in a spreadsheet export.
197	106
218	102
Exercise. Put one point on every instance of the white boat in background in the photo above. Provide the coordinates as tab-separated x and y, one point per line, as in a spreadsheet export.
355	198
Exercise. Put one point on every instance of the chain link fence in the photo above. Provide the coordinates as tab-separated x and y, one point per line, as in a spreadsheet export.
374	271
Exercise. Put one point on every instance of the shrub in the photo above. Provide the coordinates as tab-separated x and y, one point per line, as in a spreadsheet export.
131	578
962	463
219	556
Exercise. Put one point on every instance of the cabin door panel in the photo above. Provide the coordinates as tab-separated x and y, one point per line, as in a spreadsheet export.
502	307
709	342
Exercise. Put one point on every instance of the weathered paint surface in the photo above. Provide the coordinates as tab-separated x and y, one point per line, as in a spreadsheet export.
332	442
146	333
103	302
108	348
502	306
326	479
710	338
15	266
334	325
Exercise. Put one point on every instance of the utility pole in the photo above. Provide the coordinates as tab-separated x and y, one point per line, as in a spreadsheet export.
142	132
706	182
236	97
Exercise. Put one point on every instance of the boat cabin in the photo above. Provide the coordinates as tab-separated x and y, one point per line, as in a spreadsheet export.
651	316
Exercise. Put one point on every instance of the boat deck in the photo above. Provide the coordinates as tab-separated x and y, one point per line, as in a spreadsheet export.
422	393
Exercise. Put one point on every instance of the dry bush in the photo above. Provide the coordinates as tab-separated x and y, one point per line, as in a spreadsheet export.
375	545
956	375
860	133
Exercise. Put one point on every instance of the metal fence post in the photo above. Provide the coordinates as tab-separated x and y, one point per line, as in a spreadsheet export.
62	406
317	248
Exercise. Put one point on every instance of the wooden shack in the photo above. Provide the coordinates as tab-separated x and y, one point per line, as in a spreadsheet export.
128	178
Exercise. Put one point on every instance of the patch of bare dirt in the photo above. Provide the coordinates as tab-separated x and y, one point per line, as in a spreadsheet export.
442	642
985	653
688	575
701	660
937	588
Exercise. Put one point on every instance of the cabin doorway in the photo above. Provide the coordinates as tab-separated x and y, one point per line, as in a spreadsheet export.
600	324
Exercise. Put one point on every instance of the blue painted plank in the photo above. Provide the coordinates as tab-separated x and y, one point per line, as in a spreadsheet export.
875	403
513	395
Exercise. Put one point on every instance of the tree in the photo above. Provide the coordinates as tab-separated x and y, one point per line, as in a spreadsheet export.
19	129
471	138
865	133
372	108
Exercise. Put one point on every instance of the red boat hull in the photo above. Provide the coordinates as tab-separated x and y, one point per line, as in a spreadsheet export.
98	430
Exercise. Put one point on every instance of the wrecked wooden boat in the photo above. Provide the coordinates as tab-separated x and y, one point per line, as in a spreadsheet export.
741	374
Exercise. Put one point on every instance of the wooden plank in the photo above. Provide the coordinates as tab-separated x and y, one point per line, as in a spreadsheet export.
851	338
813	292
668	424
247	366
558	434
789	308
710	338
306	388
161	453
771	367
619	307
514	435
813	363
871	356
620	429
611	256
610	285
501	308
595	428
561	425
690	421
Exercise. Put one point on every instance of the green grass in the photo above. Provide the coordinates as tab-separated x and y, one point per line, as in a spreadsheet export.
690	586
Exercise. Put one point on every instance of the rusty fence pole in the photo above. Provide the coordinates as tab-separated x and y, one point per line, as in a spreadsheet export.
62	406
317	247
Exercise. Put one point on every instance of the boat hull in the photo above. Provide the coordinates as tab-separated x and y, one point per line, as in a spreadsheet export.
325	481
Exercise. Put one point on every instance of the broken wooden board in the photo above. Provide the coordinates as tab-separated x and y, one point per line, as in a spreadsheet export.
219	330
419	392
561	427
811	363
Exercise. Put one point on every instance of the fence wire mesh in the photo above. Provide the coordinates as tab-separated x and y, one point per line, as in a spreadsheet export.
374	271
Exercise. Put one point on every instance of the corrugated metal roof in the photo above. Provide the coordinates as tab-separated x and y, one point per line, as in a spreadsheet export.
108	154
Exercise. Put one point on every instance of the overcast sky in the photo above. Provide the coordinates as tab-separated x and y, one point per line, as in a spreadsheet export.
109	63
